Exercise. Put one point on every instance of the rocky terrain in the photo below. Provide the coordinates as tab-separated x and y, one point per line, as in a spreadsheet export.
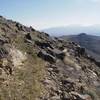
35	66
90	42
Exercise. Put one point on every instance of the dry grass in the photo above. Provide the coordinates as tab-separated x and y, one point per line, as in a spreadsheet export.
93	94
24	83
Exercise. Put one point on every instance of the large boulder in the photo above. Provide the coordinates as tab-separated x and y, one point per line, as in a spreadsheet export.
31	28
44	55
81	96
43	45
20	27
80	51
28	36
57	53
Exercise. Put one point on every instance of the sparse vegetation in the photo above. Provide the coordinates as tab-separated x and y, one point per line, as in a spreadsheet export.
93	94
38	67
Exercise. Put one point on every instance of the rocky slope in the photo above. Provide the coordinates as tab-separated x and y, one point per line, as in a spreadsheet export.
90	42
35	66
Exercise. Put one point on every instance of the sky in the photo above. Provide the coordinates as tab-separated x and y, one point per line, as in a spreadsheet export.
43	14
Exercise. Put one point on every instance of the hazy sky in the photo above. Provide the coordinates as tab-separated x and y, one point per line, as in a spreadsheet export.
50	13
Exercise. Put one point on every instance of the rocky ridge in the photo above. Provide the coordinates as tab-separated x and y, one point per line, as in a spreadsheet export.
35	66
90	42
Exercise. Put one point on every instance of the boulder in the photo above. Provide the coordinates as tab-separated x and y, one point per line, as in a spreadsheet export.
81	96
50	51
28	36
61	56
56	70
65	96
20	27
80	51
3	52
57	53
67	81
43	44
31	28
44	55
55	98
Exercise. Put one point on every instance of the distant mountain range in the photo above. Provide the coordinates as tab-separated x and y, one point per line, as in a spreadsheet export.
90	42
73	29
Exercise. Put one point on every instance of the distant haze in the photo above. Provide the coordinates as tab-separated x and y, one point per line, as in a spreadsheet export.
73	29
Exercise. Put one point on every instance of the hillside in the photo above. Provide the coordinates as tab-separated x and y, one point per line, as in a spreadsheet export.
35	66
90	42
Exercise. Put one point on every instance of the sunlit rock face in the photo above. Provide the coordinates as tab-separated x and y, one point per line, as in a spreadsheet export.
18	57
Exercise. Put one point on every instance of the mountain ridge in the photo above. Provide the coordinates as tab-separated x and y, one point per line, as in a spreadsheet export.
90	42
73	29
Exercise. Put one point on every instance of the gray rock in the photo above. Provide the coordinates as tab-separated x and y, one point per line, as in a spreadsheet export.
31	28
28	36
80	51
44	55
81	96
57	53
65	96
3	52
20	27
43	45
55	98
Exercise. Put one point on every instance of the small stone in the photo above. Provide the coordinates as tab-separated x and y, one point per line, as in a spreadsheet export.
55	98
